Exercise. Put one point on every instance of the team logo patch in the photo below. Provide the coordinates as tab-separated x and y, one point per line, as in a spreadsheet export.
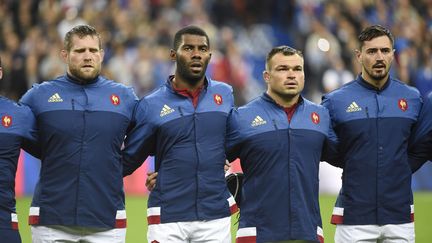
115	100
315	117
6	121
403	104
218	99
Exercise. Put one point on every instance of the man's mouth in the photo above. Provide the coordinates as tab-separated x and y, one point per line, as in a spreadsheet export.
290	83
378	66
196	66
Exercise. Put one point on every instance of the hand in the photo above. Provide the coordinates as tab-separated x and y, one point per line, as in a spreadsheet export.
227	165
151	180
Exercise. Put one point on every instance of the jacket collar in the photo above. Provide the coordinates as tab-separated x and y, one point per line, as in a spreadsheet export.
269	99
78	82
169	83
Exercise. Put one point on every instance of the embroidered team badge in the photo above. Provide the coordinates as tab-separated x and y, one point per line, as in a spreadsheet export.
403	104
217	99
6	121
315	117
115	100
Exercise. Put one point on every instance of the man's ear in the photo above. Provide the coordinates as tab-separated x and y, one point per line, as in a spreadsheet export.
266	76
102	52
358	55
64	55
173	55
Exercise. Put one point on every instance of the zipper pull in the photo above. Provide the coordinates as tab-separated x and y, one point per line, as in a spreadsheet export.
274	124
180	110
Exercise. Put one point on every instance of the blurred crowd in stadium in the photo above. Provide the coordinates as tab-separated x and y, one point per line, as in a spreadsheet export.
137	36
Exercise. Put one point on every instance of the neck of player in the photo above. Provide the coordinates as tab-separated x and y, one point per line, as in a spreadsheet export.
285	101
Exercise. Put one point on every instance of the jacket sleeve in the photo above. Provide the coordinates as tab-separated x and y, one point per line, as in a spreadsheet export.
233	145
140	141
30	139
331	153
420	146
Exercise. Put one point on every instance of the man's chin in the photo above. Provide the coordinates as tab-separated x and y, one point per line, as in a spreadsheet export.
193	81
87	78
196	75
194	78
379	76
89	75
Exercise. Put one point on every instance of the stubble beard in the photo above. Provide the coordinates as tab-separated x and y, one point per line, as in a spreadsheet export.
378	76
286	95
190	77
85	77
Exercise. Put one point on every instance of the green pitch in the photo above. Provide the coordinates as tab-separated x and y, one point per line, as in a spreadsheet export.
137	224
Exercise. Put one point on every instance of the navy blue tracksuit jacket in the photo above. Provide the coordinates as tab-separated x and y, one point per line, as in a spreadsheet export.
16	129
280	161
189	148
373	127
81	129
421	143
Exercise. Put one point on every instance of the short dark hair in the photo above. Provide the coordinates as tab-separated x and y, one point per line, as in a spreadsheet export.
80	31
189	30
285	50
374	31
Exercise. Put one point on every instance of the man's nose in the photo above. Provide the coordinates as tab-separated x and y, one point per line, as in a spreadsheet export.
87	55
380	55
196	53
290	74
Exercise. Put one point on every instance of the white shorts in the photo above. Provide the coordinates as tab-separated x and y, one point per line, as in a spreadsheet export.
212	231
390	233
57	233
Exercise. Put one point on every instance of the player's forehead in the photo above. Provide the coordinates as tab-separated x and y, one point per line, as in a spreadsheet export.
193	40
279	59
88	41
378	43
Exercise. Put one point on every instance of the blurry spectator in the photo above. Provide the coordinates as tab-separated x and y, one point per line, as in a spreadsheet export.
31	28
230	66
321	47
336	76
51	64
423	77
143	82
119	67
70	20
16	79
